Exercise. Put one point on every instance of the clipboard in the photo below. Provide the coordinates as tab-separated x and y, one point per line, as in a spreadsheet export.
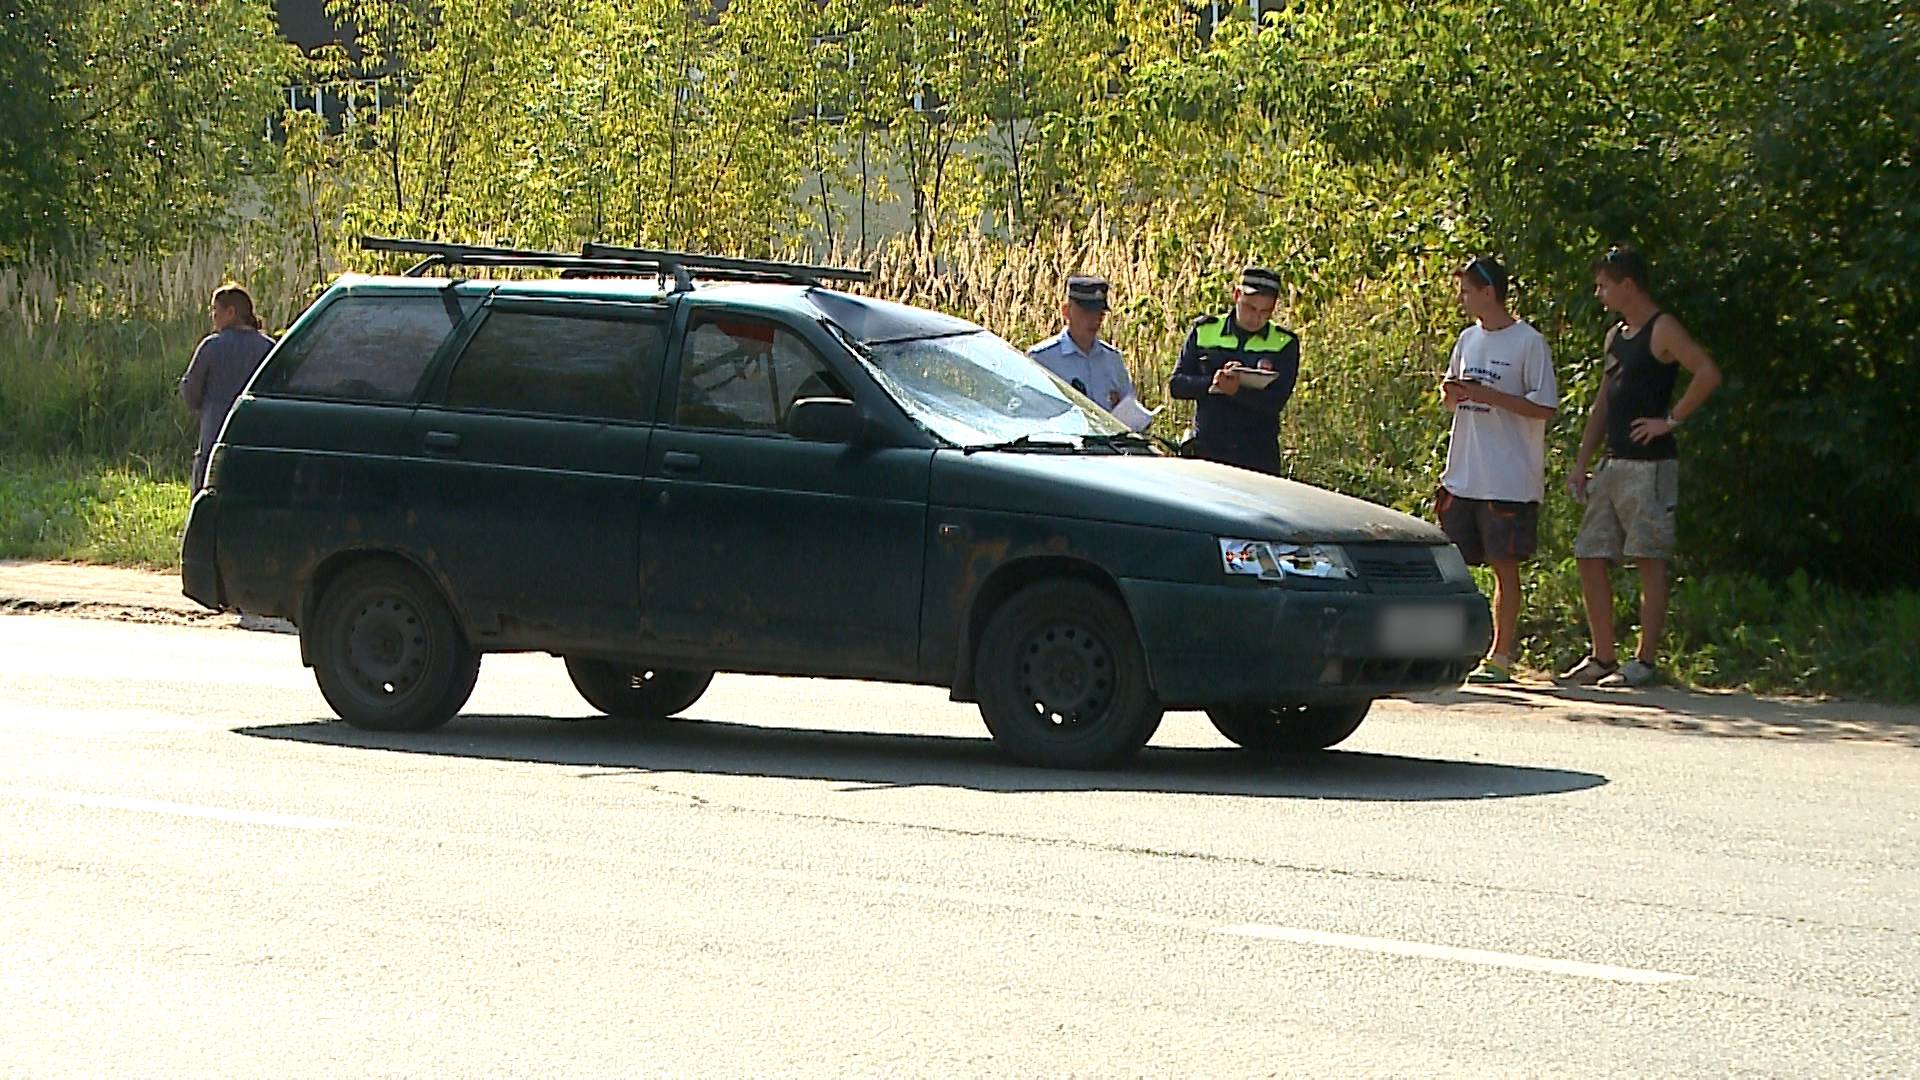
1255	378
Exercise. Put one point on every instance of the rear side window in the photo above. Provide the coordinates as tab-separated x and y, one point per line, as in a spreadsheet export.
367	348
744	374
561	365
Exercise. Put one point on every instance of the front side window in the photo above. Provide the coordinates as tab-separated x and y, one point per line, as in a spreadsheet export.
740	373
561	365
367	348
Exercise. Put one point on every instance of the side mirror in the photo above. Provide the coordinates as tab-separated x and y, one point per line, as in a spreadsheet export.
827	419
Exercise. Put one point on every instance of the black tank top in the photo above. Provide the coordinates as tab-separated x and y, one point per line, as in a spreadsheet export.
1641	386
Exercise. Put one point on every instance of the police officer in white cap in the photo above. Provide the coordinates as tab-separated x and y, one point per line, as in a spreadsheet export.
1236	416
1077	355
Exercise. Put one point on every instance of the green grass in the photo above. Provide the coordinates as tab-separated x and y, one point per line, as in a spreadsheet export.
91	511
1738	631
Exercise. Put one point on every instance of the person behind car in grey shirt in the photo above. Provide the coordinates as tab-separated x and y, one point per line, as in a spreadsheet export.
222	364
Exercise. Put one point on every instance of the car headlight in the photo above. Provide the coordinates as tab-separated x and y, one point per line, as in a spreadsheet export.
1271	561
1453	565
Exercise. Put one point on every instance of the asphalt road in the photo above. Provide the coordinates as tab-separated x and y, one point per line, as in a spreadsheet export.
201	875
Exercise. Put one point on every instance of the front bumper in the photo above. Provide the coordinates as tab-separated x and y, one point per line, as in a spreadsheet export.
199	548
1272	645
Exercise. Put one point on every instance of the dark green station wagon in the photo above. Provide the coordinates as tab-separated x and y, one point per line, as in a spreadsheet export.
657	480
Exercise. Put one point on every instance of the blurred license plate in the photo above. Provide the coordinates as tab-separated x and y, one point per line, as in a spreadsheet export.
1423	630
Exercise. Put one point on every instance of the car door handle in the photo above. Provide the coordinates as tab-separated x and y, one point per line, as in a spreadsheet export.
443	440
680	461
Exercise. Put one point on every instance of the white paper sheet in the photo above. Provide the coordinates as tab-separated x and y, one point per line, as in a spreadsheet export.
1131	413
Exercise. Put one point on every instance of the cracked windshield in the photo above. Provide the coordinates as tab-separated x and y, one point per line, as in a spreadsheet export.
977	390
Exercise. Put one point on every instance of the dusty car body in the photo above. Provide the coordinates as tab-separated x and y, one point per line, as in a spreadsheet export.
658	483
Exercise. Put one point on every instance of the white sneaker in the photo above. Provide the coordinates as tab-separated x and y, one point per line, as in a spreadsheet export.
1635	672
1587	672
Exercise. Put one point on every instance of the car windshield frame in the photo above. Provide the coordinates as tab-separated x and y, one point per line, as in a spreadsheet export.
974	390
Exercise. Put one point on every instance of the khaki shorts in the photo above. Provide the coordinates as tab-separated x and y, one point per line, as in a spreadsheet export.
1630	506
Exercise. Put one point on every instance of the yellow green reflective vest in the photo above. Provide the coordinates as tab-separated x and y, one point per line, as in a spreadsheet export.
1212	333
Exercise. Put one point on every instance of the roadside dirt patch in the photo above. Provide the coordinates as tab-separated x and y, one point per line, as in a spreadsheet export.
88	609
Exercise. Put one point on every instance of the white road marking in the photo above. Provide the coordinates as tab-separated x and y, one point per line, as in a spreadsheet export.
157	806
1424	950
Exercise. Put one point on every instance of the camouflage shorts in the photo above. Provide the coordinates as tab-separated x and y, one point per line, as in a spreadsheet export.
1630	509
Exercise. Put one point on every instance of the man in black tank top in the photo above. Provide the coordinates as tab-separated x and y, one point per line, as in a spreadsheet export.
1630	499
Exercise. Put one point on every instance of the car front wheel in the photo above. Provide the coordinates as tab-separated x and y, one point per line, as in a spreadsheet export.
636	691
1062	680
387	652
1280	729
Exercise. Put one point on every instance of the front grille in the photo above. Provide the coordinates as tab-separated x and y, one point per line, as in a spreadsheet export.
1407	565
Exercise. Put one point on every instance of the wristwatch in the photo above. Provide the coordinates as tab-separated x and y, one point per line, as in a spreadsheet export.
1672	421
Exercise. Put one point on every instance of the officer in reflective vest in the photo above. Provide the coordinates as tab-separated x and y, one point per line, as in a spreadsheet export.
1234	421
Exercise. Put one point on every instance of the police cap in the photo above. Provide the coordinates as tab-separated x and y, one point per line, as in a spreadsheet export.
1088	291
1259	279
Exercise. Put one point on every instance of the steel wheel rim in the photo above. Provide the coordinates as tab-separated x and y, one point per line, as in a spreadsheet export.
1067	675
639	680
388	646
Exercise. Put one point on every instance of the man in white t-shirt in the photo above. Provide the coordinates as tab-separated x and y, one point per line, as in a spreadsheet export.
1501	389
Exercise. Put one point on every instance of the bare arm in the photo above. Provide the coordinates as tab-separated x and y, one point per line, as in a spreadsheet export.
1450	383
1673	344
1596	427
1594	431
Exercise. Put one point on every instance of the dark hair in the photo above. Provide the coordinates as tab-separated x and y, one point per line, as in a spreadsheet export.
1622	263
235	298
1487	270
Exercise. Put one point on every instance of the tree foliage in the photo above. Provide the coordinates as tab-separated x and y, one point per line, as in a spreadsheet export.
1762	154
133	122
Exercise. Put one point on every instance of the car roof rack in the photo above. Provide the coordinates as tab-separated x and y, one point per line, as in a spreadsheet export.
612	259
682	263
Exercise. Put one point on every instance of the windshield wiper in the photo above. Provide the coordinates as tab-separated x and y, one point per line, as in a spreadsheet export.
1028	442
1119	439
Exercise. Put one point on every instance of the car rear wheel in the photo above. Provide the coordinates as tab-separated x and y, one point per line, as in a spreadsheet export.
636	692
387	652
1281	729
1062	679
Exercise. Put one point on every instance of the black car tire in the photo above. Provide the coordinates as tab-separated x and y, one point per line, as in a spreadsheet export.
387	652
1277	729
1062	680
636	693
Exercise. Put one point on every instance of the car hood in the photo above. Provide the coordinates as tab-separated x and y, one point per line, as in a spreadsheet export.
1168	493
